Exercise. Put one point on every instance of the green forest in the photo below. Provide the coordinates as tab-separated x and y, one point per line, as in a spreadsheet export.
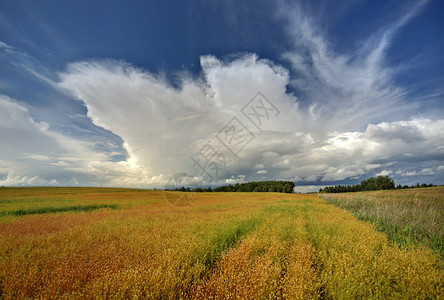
371	184
254	186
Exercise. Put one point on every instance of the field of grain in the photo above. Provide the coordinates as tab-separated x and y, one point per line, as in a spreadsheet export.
407	217
121	243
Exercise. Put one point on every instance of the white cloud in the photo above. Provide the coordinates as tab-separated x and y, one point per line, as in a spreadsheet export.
353	88
26	62
308	188
425	171
163	127
33	149
384	173
20	180
235	179
351	95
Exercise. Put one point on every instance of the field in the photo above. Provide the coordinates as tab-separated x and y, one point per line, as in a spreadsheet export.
411	216
121	243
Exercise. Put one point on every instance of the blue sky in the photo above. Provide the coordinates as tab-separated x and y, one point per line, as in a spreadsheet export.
112	93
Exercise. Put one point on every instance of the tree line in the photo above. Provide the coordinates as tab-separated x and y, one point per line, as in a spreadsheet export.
371	184
254	186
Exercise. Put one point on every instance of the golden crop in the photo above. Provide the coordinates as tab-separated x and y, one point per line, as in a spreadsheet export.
408	216
223	246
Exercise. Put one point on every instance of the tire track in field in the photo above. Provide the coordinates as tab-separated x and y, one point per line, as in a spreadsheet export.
274	261
181	254
356	261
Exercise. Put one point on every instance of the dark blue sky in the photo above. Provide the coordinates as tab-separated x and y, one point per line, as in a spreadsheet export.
40	39
172	35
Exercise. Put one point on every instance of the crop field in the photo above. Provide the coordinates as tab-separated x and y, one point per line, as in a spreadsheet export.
123	243
410	216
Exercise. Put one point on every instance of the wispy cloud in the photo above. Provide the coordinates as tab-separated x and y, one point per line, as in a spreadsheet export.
346	90
26	62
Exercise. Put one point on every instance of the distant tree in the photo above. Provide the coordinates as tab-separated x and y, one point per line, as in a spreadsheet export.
256	186
370	184
385	183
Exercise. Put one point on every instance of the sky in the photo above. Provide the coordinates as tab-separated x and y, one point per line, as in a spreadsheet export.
144	93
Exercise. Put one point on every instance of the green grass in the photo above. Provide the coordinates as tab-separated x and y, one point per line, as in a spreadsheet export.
13	198
48	210
407	217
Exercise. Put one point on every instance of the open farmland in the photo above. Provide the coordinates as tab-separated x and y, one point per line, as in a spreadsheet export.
122	243
407	217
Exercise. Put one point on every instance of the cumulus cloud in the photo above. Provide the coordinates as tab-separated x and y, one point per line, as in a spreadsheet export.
348	121
36	156
163	127
308	188
234	180
22	180
384	173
